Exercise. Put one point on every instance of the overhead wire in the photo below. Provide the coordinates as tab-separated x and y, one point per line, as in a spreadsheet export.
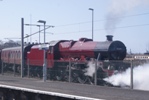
103	19
96	21
105	29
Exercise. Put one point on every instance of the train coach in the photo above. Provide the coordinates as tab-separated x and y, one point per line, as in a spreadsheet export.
60	53
11	56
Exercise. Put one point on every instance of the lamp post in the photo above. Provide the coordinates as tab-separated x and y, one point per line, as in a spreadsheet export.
44	54
39	32
22	47
92	21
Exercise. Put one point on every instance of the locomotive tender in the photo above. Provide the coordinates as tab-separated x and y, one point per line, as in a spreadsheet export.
60	53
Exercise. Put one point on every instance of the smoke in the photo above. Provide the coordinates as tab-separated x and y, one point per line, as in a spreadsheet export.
91	68
140	81
117	9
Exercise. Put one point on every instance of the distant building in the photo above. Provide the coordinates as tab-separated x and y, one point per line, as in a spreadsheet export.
137	57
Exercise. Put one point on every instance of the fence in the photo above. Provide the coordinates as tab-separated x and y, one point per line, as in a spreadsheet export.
89	72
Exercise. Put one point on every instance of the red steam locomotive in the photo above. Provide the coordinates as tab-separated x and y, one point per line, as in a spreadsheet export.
59	54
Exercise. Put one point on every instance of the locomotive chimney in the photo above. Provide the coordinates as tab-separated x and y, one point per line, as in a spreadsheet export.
109	37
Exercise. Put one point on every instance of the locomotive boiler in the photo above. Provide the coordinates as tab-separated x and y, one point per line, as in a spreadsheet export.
109	49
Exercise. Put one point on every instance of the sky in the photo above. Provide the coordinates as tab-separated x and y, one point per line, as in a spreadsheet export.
126	20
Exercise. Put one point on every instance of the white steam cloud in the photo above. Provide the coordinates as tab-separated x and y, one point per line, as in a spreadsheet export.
117	9
140	81
91	69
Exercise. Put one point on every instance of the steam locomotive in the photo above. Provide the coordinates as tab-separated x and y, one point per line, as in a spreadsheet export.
64	55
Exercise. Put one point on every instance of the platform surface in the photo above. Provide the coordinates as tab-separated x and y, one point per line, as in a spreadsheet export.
83	90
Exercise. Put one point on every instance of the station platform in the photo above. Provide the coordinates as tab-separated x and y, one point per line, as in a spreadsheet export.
71	90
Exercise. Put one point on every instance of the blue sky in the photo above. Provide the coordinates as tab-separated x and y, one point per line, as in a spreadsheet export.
72	20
